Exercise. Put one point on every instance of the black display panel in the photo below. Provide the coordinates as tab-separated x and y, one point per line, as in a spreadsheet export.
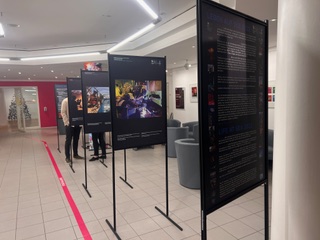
75	102
138	98
60	94
96	101
232	61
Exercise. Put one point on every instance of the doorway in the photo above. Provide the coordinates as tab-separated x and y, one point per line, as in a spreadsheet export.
20	106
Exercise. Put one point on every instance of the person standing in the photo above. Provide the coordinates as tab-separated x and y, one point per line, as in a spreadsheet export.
72	132
98	141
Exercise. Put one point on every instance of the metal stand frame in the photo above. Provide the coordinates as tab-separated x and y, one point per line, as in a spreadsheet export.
58	138
85	185
114	227
166	215
125	169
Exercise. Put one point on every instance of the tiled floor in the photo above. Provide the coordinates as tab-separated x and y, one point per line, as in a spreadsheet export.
33	204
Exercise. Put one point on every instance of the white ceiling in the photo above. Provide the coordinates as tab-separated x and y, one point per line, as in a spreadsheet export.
75	26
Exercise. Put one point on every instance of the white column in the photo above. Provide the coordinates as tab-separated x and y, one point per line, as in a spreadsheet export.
3	115
296	164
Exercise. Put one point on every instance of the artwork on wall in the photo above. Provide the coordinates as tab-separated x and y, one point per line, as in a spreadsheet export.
193	90
271	94
179	97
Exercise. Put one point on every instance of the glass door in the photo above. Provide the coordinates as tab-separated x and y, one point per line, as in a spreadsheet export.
31	107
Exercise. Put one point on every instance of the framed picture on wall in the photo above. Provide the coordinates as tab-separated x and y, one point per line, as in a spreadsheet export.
193	90
179	91
271	94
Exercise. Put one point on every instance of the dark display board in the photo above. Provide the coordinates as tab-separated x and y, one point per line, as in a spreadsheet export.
138	93
179	98
96	101
60	94
75	102
233	69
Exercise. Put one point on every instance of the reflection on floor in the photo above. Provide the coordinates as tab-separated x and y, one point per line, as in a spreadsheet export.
33	204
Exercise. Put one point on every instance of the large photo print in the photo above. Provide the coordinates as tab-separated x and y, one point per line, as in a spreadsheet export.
138	99
98	99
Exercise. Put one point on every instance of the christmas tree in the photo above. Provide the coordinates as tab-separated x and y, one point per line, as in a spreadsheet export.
13	109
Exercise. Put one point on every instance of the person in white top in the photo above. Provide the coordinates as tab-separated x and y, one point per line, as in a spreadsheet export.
72	132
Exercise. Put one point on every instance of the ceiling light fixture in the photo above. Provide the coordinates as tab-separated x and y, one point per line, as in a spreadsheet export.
5	59
61	56
148	9
137	34
1	30
187	65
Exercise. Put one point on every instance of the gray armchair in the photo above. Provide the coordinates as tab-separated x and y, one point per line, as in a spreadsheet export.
173	123
190	126
174	133
188	162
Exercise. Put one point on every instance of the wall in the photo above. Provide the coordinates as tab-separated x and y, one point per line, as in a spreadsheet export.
183	78
272	77
46	97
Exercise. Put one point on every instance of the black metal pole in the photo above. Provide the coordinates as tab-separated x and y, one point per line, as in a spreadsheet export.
85	185
167	183
125	169
266	210
203	226
114	227
58	138
166	215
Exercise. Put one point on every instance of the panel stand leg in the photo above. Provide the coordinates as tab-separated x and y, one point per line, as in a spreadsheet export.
102	162
203	226
125	169
58	138
114	227
85	184
266	210
167	197
71	163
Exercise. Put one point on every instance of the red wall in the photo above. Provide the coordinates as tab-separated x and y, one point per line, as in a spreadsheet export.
46	97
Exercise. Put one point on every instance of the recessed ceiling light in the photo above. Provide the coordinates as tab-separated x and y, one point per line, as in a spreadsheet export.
19	73
55	77
4	76
52	71
61	74
34	75
193	46
78	76
29	78
13	25
41	67
174	63
9	69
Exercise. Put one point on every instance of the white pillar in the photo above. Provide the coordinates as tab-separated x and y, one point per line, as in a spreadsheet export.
296	164
3	111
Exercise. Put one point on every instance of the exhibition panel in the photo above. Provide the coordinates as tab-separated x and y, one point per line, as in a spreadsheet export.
75	102
96	101
232	69
138	93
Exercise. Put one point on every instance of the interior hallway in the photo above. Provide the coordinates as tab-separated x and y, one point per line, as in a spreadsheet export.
33	204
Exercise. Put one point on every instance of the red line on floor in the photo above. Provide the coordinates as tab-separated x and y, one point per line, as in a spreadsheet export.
83	228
